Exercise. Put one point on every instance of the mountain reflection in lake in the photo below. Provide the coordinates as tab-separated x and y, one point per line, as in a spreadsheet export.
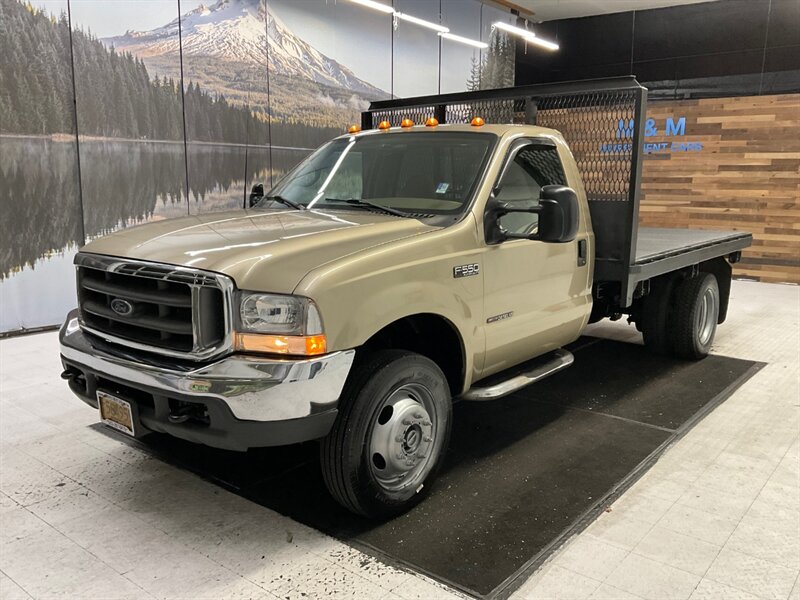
123	183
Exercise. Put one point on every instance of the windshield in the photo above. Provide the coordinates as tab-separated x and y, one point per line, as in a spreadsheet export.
431	173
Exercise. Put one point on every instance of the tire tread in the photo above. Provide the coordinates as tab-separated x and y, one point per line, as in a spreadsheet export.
656	316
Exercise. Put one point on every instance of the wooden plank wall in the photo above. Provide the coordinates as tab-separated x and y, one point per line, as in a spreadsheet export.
746	177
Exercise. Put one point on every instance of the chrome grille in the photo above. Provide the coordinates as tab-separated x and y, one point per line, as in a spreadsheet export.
159	308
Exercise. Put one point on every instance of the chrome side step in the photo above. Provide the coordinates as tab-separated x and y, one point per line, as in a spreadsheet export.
561	360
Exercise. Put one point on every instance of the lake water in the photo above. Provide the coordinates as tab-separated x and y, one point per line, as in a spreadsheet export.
123	183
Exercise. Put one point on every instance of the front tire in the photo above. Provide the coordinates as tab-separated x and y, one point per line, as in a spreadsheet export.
390	436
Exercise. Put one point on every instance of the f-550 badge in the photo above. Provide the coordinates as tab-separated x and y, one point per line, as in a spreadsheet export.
466	270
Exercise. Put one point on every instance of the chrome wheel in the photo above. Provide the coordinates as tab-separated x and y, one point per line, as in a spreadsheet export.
403	438
707	316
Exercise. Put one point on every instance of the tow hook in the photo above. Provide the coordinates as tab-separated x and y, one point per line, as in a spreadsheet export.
180	415
76	380
181	412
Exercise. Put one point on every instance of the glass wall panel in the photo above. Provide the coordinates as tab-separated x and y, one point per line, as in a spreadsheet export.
327	61
461	62
225	81
40	215
497	61
416	50
130	112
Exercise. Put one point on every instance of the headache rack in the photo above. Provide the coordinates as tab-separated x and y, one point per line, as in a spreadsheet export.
602	120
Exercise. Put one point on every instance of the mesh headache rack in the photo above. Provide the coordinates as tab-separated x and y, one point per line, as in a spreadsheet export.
602	120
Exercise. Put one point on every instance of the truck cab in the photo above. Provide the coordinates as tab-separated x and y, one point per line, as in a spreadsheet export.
399	268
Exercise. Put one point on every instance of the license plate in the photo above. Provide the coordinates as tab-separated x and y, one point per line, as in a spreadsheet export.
115	412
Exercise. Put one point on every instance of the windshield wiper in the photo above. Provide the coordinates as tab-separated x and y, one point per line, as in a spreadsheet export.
366	204
285	201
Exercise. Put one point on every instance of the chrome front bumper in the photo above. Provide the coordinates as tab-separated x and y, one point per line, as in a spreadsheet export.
254	389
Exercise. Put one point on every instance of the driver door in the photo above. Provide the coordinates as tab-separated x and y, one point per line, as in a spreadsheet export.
534	290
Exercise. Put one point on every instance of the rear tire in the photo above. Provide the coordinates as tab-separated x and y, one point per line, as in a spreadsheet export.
656	312
387	443
694	319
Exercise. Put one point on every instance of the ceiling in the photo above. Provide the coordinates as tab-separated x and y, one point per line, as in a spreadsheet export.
548	10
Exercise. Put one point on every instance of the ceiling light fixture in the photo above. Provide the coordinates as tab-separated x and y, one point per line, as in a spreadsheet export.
375	5
528	36
421	22
464	40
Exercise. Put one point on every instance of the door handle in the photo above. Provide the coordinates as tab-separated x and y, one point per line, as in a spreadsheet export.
582	246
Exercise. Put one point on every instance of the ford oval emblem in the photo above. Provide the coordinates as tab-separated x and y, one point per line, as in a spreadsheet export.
122	307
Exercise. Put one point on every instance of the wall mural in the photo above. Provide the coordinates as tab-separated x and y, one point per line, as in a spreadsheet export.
260	84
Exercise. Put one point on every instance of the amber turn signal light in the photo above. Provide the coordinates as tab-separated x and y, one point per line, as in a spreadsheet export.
477	122
384	125
406	123
299	345
431	122
354	129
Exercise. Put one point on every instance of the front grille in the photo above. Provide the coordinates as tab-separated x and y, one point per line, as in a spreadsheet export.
166	309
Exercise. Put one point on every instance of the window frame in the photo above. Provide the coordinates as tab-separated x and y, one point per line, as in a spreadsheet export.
517	146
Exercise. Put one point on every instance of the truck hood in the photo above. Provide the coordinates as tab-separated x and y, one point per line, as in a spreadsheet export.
264	250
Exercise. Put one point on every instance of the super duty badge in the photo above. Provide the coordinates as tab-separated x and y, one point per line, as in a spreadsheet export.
466	270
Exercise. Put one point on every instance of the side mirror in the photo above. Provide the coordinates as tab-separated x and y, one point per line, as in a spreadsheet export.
558	212
256	194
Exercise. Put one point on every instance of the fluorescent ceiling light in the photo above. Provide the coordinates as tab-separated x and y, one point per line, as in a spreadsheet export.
422	22
543	43
463	40
376	5
528	36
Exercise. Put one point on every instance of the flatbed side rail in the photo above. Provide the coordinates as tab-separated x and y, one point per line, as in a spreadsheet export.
602	120
680	258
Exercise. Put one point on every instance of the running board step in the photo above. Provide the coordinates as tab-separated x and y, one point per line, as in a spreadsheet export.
531	372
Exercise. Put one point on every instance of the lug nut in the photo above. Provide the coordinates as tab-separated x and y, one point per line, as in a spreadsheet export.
406	421
418	415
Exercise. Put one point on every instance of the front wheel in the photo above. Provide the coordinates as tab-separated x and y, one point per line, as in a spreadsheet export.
388	440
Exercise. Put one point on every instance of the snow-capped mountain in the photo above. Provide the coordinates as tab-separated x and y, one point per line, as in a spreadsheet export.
233	31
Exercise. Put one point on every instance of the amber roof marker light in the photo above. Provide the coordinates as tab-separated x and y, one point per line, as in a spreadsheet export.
354	129
477	122
431	122
406	123
384	125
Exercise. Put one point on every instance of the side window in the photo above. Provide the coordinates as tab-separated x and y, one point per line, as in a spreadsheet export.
533	167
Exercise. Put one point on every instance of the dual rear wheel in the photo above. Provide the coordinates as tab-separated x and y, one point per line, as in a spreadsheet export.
679	317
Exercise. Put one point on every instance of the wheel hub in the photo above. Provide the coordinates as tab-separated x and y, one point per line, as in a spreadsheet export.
707	316
401	439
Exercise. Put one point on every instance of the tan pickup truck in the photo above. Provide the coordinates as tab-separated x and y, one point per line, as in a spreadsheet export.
396	269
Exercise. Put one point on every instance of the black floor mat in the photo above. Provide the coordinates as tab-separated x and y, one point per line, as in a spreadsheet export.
521	474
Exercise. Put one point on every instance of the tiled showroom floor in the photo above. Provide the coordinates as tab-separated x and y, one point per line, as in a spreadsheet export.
86	516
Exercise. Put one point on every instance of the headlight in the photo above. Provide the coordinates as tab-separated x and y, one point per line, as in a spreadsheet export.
271	313
280	324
